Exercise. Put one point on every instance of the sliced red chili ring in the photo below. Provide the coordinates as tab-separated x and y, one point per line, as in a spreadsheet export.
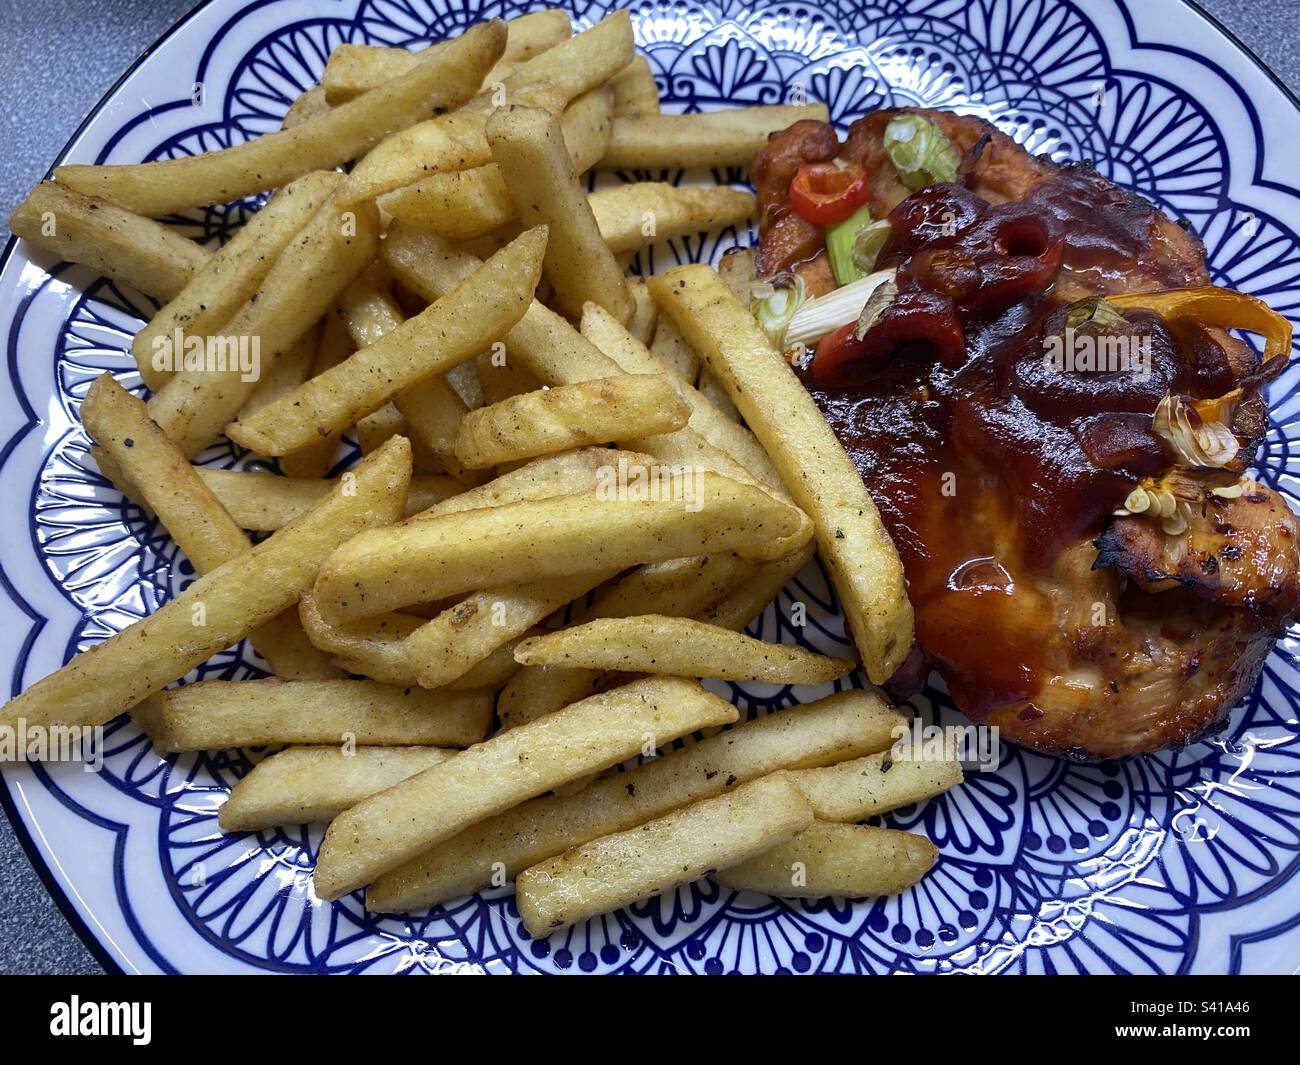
826	193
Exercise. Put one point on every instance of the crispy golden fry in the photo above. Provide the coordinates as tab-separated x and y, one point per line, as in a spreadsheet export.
264	502
599	411
333	248
645	311
217	610
134	452
452	330
231	275
316	459
845	861
747	601
367	307
637	215
356	68
304	785
427	559
853	542
222	714
447	76
529	149
617	870
678	647
443	649
865	787
712	425
577	65
813	734
635	91
463	204
713	138
394	826
119	245
286	372
671	348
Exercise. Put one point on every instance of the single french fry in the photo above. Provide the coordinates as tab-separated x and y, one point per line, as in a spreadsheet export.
678	647
311	104
229	277
111	241
381	832
450	331
446	76
615	871
809	735
370	648
851	538
135	454
331	249
845	861
864	787
637	215
222	714
672	349
529	148
645	312
748	600
286	372
305	785
712	138
463	204
353	69
427	559
635	91
599	411
231	601
444	648
264	502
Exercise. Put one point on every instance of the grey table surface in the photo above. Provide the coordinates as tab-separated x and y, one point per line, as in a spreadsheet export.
49	96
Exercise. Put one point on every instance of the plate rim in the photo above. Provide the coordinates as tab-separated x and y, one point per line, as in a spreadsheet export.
45	874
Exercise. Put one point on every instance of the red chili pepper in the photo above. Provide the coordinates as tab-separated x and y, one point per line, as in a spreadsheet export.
836	351
826	193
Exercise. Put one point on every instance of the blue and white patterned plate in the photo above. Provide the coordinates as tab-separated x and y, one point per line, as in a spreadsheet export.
1183	862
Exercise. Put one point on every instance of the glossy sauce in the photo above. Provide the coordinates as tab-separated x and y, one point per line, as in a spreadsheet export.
987	463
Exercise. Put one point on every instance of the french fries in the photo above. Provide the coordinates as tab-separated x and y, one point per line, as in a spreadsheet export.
353	69
370	648
712	138
450	331
864	787
382	832
443	649
817	733
427	559
217	610
678	647
130	249
134	451
221	714
529	149
599	411
303	785
449	74
846	861
332	248
639	863
463	204
216	291
637	215
854	544
264	502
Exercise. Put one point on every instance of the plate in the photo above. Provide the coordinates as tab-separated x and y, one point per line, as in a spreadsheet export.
1182	862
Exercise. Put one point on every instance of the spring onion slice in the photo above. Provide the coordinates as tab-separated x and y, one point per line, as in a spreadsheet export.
818	317
921	154
868	243
840	241
778	307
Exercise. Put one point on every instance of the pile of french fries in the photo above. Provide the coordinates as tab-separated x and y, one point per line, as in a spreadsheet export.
578	488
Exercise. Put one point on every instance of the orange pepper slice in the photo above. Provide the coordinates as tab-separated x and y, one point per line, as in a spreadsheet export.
1220	307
